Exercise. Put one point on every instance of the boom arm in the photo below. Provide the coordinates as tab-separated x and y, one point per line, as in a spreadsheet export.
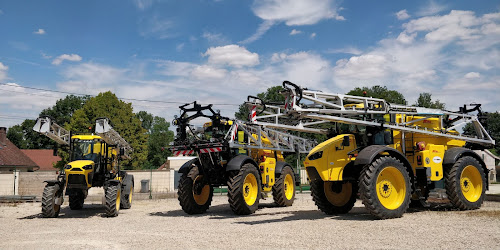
46	126
111	137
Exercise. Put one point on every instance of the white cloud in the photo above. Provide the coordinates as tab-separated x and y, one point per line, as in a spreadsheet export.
347	50
295	32
402	15
207	72
232	55
215	38
432	8
143	4
3	71
263	28
91	78
296	12
172	68
155	27
367	66
472	75
39	32
45	56
313	35
180	47
405	38
73	57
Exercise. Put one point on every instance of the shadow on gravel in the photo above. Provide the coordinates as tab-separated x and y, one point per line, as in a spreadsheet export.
222	210
88	210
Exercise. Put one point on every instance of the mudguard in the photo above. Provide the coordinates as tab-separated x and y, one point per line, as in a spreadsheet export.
238	161
187	166
453	154
128	181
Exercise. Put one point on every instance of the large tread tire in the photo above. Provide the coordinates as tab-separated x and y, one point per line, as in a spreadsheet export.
284	188
112	196
334	202
126	200
49	208
241	186
76	200
191	202
462	181
384	187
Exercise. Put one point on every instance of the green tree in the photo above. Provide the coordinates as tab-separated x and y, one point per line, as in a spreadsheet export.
425	100
24	137
146	119
391	96
159	138
63	110
122	119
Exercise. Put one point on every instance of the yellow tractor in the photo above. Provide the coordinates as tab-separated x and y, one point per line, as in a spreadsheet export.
390	154
94	162
248	159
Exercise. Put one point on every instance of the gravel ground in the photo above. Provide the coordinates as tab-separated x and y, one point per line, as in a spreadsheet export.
155	224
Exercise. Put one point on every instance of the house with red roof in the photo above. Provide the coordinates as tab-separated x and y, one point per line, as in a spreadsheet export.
12	158
44	158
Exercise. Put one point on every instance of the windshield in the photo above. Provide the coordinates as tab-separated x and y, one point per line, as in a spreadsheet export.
84	150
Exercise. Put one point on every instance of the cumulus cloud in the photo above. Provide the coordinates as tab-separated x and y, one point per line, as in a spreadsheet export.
3	71
432	8
39	32
90	78
296	12
295	32
346	50
472	75
232	55
207	72
402	15
73	57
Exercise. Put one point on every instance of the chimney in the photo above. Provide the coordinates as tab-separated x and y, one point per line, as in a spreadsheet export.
3	135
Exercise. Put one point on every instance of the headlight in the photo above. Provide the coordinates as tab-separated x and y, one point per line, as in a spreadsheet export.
315	156
87	167
67	167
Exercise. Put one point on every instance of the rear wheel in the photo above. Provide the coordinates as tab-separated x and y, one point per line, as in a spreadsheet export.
113	197
126	200
284	188
384	186
76	200
244	190
49	207
194	193
466	183
333	197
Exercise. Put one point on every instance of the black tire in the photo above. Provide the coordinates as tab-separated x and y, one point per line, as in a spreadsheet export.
284	188
334	197
112	196
49	207
193	198
76	200
244	190
390	197
126	200
466	183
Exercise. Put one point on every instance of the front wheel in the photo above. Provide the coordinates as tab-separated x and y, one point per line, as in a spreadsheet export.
466	183
284	188
194	193
113	196
384	187
244	190
333	197
76	199
50	208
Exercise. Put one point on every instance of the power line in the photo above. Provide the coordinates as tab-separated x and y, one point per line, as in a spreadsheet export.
79	94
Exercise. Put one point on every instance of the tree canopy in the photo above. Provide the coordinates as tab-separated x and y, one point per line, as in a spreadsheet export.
377	91
159	138
425	100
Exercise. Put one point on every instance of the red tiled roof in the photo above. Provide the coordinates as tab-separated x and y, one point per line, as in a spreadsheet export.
44	158
10	155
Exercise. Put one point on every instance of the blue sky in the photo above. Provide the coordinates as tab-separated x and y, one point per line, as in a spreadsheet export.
220	51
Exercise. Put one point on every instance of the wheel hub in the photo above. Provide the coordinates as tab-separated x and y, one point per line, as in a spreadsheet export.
466	184
385	189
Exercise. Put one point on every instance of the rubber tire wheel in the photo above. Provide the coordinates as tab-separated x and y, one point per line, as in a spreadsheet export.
49	208
112	193
76	200
235	191
453	188
186	196
368	188
322	202
126	200
278	189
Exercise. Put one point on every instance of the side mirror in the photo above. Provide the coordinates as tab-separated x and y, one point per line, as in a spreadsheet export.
346	142
122	151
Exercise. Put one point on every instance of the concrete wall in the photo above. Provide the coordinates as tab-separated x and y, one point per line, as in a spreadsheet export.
32	183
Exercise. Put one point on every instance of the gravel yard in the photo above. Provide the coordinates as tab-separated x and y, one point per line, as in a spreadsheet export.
153	224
